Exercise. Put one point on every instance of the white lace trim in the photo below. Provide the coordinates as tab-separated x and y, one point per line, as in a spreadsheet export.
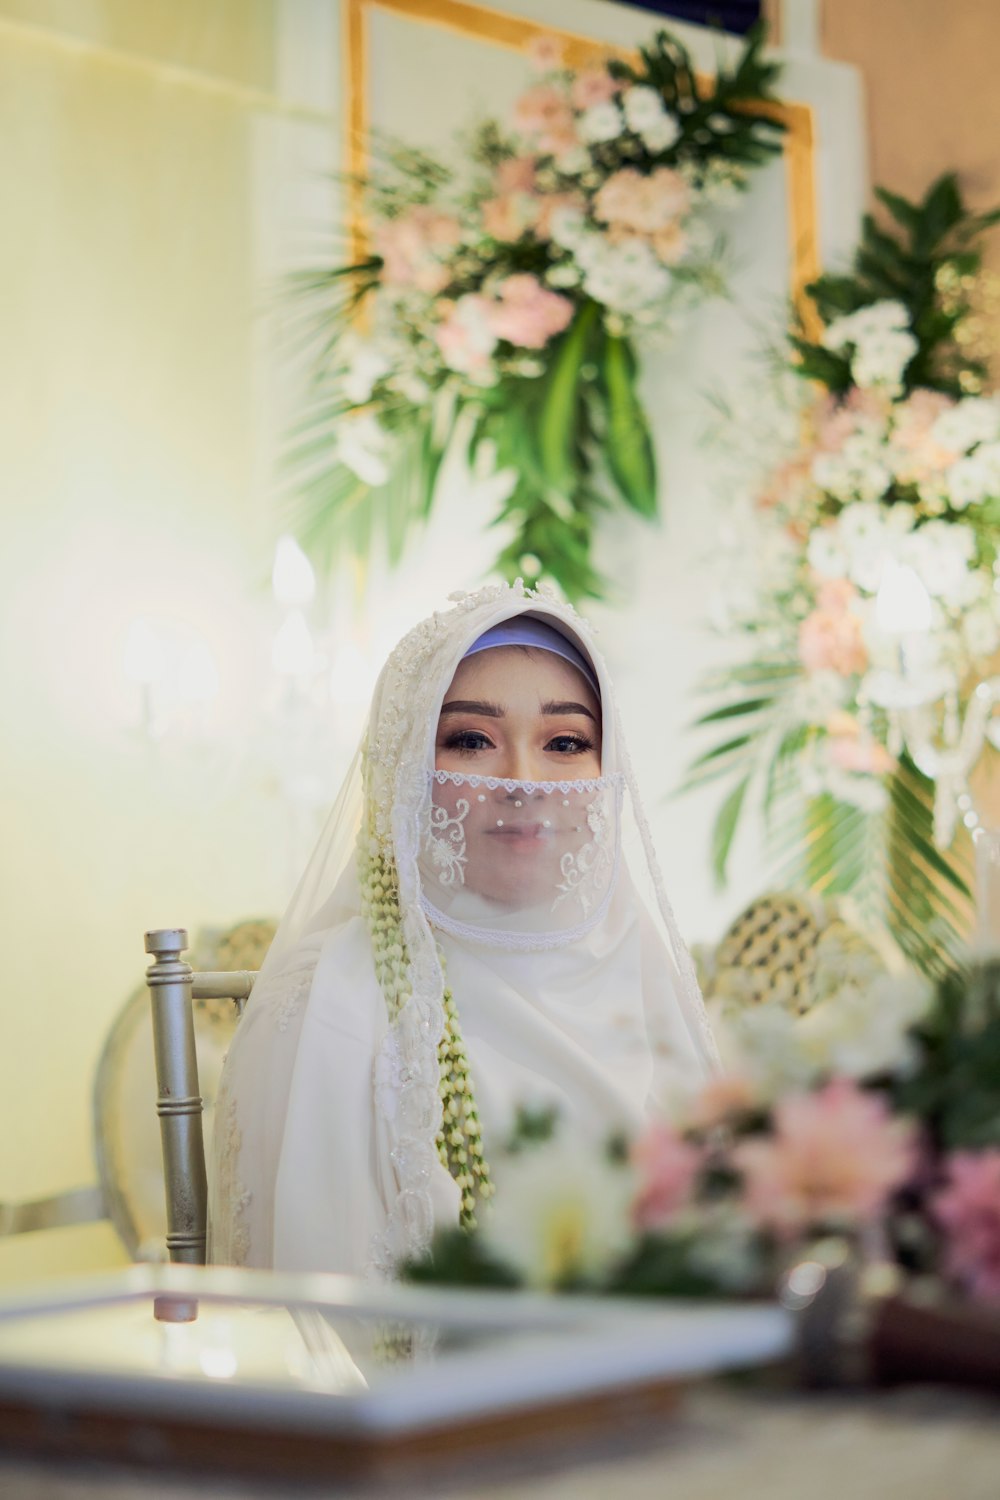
494	783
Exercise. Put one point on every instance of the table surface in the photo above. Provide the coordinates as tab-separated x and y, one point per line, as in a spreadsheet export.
920	1443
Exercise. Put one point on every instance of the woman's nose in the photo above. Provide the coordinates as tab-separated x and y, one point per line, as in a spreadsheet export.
521	764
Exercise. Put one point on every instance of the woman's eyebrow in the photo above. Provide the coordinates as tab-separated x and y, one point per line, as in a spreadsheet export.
473	706
567	707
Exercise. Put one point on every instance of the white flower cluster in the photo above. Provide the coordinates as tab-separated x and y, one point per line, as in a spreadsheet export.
865	536
626	277
880	342
859	1031
858	471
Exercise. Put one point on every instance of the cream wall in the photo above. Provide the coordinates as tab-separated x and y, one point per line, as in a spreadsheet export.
158	161
162	162
933	104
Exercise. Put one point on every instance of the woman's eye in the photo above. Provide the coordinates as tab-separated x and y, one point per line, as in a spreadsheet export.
570	744
468	740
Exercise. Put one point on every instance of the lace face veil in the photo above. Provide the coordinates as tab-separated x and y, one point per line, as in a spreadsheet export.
457	940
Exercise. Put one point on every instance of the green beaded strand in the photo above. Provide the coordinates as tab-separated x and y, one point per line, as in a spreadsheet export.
459	1141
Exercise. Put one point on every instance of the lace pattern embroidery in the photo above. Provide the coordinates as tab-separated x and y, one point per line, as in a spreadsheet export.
587	873
446	842
233	1248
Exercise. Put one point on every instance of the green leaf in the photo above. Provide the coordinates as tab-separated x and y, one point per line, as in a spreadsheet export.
628	448
724	829
556	419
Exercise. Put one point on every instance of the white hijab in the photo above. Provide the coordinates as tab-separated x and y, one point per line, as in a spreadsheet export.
329	1107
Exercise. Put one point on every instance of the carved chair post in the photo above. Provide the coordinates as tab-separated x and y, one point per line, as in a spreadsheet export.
179	1103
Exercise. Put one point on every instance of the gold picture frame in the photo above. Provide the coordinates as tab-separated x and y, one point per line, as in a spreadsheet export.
516	33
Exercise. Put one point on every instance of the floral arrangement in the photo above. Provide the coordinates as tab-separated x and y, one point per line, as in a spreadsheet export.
501	304
886	484
893	1145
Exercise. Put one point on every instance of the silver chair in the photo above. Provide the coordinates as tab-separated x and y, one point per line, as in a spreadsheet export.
173	988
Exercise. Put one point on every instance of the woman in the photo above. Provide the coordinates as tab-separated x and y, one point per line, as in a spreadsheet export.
467	940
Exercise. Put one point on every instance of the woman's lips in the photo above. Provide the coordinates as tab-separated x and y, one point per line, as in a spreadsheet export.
527	833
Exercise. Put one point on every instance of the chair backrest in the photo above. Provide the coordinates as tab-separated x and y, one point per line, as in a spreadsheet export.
173	987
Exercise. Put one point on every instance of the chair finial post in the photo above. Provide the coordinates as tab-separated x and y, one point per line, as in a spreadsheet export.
179	1102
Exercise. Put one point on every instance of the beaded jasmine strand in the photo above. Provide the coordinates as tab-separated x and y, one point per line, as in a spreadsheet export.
459	1141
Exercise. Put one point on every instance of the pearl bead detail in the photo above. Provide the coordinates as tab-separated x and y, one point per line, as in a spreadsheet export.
519	804
499	822
481	797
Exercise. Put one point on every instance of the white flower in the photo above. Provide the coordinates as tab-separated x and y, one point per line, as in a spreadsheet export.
567	228
364	364
624	277
981	630
360	446
974	420
881	341
563	274
941	553
967	482
574	161
818	696
826	553
862	1029
602	122
561	1212
858	471
660	135
881	360
643	108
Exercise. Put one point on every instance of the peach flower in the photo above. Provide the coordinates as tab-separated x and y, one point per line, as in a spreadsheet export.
593	86
527	314
667	1167
670	244
832	641
857	753
968	1210
507	217
412	247
642	204
919	457
545	53
516	175
544	112
834	1158
836	595
720	1099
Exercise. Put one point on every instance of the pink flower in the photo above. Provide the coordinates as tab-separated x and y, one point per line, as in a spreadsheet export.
667	1166
544	112
414	246
527	314
593	86
968	1209
834	1157
832	641
464	335
642	204
836	419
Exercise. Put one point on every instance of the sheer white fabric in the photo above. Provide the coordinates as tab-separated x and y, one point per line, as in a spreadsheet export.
571	991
